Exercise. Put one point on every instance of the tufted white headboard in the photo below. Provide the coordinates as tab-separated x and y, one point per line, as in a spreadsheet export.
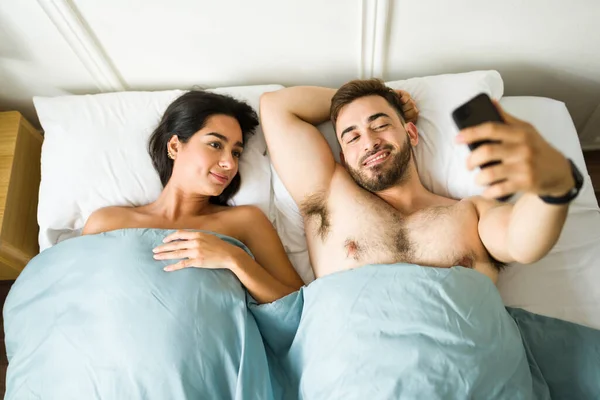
541	47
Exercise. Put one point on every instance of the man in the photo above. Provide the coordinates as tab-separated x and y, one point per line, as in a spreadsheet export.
373	209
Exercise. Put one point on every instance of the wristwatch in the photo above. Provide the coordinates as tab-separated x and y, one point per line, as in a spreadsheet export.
578	178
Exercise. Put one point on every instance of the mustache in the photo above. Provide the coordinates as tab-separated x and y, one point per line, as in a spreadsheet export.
388	147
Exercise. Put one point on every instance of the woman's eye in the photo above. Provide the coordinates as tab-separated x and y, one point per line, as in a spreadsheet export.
216	145
237	154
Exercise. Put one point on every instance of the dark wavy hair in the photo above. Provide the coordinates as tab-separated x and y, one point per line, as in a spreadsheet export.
185	116
361	88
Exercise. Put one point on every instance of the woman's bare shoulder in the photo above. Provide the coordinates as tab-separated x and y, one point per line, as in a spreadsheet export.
246	213
108	219
241	220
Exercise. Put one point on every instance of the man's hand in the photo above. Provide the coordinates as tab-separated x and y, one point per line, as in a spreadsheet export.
409	107
527	162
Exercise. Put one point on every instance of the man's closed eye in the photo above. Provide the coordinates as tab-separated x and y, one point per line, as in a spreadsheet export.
354	139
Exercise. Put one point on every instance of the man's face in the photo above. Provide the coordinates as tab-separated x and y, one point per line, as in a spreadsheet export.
376	146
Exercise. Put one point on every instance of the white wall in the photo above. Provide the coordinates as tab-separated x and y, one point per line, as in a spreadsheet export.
35	59
547	48
541	47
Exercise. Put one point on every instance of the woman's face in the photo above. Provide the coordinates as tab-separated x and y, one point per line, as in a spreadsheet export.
209	160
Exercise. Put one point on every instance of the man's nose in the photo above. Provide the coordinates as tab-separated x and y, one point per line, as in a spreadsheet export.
372	142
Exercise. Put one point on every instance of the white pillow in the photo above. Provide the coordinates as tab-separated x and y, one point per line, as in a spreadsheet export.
441	163
95	154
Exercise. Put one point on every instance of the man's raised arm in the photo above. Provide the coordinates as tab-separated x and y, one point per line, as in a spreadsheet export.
299	152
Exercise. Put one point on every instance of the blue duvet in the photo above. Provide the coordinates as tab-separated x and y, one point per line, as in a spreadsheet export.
398	331
96	317
409	332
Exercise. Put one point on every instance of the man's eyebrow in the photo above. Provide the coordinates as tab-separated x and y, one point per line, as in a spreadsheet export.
224	138
375	116
348	129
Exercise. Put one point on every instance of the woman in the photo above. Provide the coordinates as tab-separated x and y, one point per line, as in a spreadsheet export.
196	150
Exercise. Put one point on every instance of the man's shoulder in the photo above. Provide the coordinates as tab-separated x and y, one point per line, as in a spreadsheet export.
483	204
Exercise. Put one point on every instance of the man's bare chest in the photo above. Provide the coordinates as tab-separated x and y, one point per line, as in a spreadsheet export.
364	230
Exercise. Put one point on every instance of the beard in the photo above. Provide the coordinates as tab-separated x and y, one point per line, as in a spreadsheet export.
383	176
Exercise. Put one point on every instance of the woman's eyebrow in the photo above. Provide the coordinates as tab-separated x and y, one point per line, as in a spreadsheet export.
224	138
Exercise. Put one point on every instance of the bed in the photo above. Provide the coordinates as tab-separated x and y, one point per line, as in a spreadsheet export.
104	136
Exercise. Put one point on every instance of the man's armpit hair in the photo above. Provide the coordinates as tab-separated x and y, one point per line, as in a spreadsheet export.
498	265
315	206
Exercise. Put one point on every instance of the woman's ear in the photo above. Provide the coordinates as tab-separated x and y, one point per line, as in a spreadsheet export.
412	132
173	147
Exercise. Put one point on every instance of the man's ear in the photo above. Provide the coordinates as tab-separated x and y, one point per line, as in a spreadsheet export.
413	133
342	159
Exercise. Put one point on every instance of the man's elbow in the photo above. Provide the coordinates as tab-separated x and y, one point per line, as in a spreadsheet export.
526	259
267	101
528	256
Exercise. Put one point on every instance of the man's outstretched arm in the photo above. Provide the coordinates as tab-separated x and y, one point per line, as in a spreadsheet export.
527	231
298	151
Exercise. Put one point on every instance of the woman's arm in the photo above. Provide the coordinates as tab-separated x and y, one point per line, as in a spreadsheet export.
261	284
263	241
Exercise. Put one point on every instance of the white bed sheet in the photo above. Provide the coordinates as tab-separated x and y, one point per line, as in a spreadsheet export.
566	283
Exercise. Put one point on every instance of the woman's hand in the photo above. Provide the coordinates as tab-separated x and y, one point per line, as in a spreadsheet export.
197	249
409	107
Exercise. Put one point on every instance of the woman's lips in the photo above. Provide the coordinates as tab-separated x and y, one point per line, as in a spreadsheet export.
220	178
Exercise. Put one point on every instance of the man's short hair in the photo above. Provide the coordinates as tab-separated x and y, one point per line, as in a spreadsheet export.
361	88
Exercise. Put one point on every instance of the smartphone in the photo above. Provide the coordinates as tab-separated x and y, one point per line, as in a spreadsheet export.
476	111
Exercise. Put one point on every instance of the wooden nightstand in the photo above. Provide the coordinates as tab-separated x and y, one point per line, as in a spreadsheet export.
20	151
